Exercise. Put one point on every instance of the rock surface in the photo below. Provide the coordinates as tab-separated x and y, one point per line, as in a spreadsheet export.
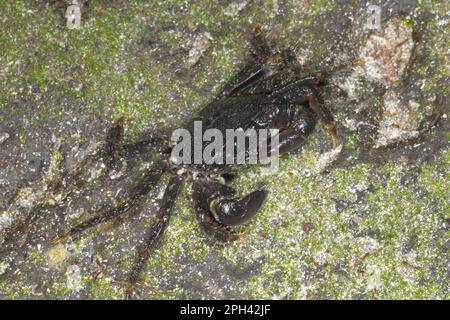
368	222
387	52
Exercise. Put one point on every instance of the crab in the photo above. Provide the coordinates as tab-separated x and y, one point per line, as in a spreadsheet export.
269	93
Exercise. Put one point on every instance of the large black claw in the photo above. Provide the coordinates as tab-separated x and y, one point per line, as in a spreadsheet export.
232	211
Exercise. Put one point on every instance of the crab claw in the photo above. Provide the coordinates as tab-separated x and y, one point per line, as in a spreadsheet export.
233	211
218	208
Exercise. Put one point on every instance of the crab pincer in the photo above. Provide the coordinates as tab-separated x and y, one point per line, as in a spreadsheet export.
221	205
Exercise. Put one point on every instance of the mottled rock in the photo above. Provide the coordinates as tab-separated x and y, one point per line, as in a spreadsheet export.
3	137
383	60
234	8
201	43
386	53
57	255
73	275
400	120
326	159
3	267
374	281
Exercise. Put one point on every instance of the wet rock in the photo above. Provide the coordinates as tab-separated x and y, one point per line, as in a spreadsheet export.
235	7
270	262
3	267
386	53
326	159
400	120
3	137
73	275
201	43
374	281
57	255
382	62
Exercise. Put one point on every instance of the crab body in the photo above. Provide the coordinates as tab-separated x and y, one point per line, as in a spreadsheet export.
280	101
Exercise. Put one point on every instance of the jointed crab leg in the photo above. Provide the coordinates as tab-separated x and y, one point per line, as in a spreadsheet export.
259	43
150	179
266	63
157	144
324	116
154	234
114	140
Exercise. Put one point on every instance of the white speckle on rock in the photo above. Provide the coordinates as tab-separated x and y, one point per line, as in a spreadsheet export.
76	214
3	267
26	197
374	281
302	55
73	275
351	124
6	219
116	174
368	244
350	85
94	173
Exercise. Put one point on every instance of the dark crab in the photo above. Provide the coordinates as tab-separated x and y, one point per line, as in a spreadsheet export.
268	93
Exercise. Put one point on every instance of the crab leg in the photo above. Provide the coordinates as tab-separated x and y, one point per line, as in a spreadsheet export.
116	149
290	139
154	234
150	179
158	144
266	63
114	141
259	43
324	115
